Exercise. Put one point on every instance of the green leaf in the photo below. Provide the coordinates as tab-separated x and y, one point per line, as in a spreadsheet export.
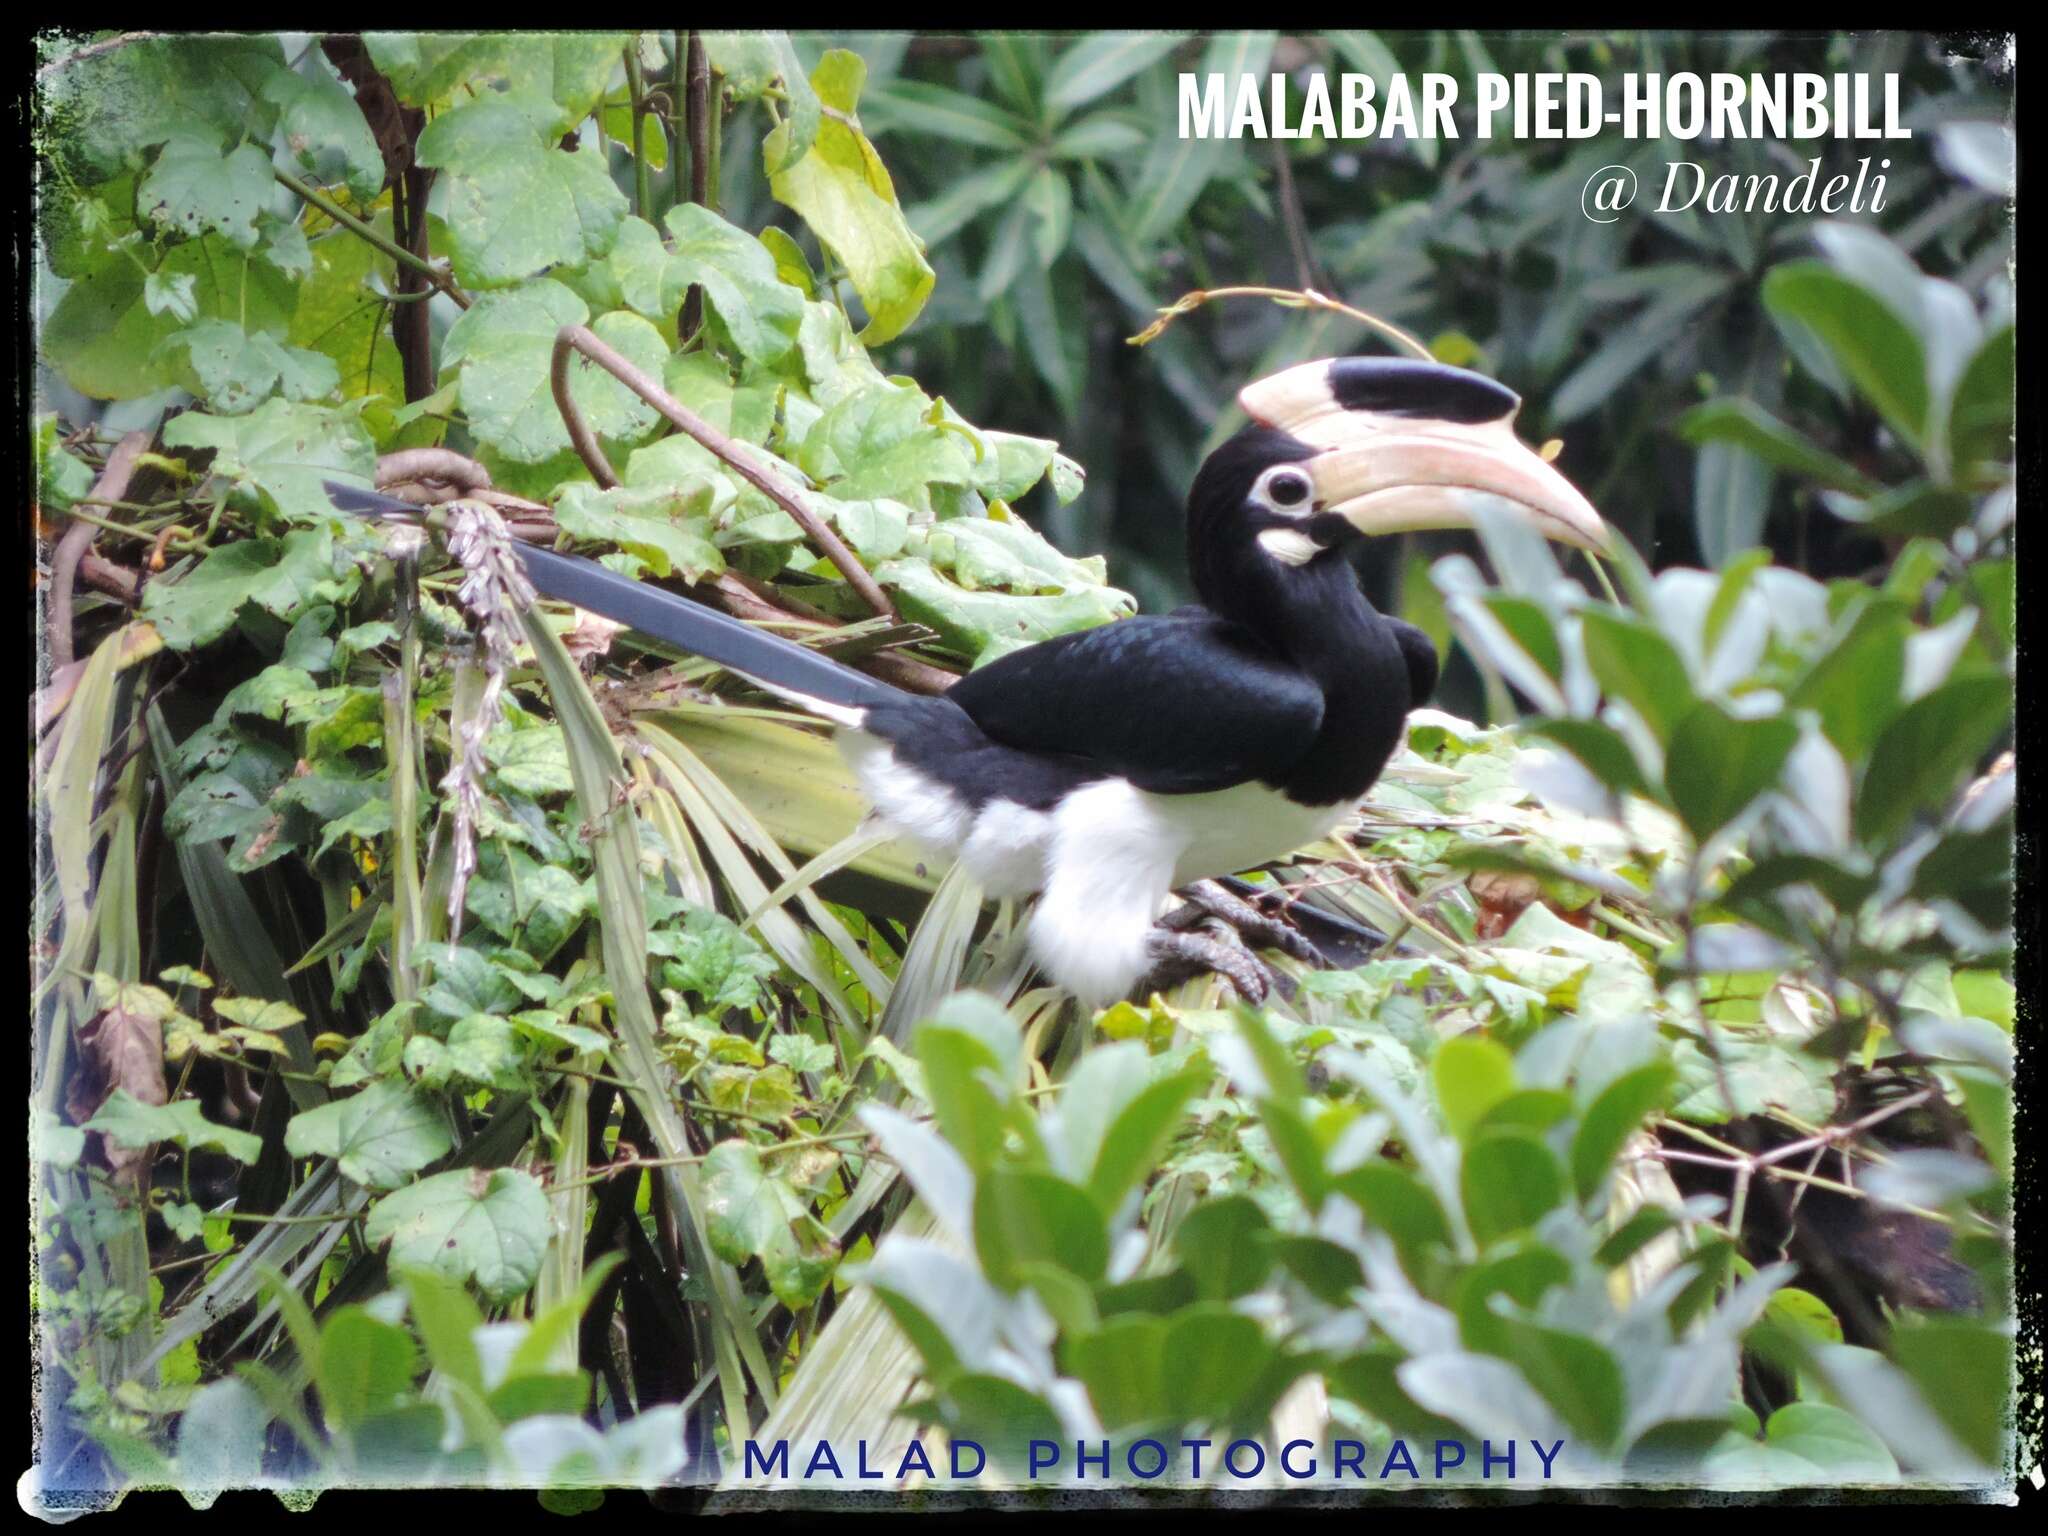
380	1135
236	371
490	1225
1219	1245
1104	136
1176	170
1397	1203
1926	749
939	112
1636	664
1122	1366
366	1367
105	107
1980	419
749	1213
281	453
1023	1216
1854	683
447	1321
669	529
1717	764
1210	1360
1876	348
1098	64
1508	1182
760	312
319	113
221	1437
1612	1118
127	1121
515	205
1833	1440
193	189
1603	750
283	577
106	339
1472	1074
841	190
1139	1133
1748	425
1578	1378
504	344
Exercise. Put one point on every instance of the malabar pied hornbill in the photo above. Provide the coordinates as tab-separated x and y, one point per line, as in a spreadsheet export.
1105	769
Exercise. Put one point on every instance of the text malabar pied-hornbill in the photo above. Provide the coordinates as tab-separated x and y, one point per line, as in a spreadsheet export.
1105	769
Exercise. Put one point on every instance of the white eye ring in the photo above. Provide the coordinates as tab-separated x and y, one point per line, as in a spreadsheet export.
1286	490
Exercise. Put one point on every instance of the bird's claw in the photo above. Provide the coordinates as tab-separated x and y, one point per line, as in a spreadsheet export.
1259	931
1180	954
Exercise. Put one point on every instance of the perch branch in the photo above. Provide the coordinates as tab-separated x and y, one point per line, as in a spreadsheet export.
112	485
725	449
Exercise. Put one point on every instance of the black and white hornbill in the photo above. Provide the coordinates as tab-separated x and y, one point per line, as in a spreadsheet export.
1105	769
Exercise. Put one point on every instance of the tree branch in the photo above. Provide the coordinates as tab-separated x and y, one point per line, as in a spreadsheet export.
579	339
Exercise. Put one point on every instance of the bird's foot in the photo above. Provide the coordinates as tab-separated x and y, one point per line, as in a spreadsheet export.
1179	955
1210	898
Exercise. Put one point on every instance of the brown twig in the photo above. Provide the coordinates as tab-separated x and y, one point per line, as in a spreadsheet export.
579	339
112	485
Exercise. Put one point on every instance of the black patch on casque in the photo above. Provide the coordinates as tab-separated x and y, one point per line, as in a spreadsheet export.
1409	386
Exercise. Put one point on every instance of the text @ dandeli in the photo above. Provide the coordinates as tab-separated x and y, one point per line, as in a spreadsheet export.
1687	186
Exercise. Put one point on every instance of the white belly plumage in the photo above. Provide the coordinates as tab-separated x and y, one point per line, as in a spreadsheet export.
1105	857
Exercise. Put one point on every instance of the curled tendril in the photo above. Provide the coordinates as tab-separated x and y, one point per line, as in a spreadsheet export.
1286	298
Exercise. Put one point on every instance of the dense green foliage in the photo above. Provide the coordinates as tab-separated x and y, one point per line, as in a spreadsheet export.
449	1066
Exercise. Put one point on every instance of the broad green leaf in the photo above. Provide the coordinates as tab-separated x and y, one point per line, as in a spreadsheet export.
1612	1118
1509	1181
103	107
128	1121
760	312
1580	1380
105	338
192	188
1022	1216
282	452
750	1213
366	1366
1211	1359
842	192
515	204
1472	1074
1833	1440
504	345
1636	664
1748	425
379	1135
1717	764
1219	1245
318	113
283	577
1921	755
490	1225
1874	345
235	371
1122	1366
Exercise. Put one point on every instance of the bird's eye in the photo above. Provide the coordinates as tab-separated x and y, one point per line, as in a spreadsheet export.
1287	489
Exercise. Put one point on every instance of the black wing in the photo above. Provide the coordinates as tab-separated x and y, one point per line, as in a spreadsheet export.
1176	705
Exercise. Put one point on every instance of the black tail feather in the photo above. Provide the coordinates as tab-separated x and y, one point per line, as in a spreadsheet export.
689	626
